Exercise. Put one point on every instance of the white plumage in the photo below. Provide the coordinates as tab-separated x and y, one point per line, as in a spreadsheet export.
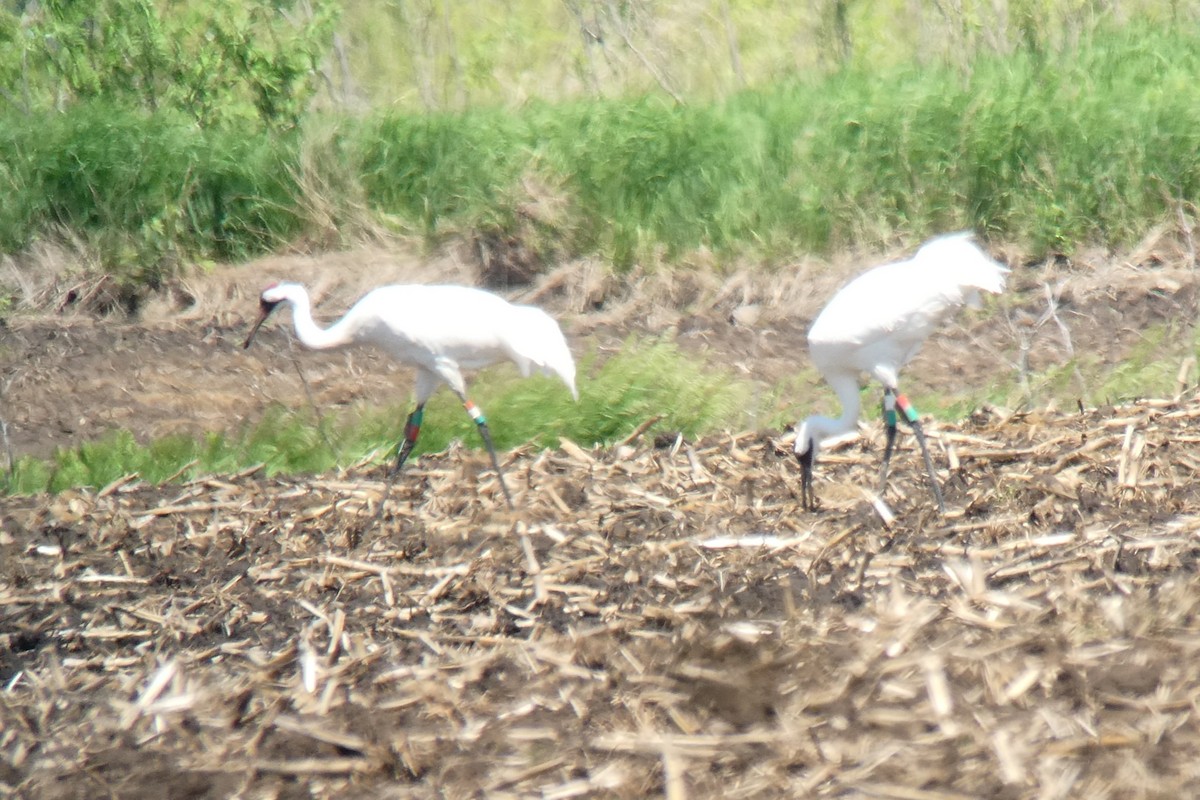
877	324
439	330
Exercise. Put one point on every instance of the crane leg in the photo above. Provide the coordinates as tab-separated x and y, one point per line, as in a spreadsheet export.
412	429
910	416
808	499
481	423
889	422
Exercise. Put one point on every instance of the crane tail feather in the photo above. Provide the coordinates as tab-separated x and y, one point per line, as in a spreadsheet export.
539	342
972	267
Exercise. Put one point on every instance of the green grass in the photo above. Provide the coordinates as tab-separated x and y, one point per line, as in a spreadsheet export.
643	380
1094	144
145	191
1150	368
426	55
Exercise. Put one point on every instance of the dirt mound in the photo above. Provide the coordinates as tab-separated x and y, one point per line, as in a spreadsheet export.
651	621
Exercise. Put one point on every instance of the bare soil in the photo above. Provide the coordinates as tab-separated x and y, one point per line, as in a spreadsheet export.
656	619
69	374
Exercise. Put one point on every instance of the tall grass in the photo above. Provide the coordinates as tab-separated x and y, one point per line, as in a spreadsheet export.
429	55
1095	144
430	171
145	190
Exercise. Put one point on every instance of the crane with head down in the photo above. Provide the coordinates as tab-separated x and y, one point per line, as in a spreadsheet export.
439	330
876	324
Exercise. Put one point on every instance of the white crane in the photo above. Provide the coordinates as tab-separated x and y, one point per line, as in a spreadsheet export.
440	330
877	324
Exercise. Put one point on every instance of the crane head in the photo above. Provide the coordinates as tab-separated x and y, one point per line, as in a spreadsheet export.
265	307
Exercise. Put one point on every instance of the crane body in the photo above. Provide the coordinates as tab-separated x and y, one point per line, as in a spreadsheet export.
440	330
876	324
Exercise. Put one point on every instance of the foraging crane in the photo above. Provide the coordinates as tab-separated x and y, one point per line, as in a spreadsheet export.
440	330
877	324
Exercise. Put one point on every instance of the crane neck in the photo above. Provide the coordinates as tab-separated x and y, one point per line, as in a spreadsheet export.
312	335
846	387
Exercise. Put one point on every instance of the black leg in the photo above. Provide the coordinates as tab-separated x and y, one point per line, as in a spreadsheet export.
412	429
889	422
910	416
808	499
481	423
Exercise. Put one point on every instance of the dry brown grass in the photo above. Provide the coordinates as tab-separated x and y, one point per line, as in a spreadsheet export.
654	621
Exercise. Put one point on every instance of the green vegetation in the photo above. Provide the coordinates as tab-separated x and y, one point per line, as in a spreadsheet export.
1094	144
163	135
144	190
224	63
432	55
644	380
1150	368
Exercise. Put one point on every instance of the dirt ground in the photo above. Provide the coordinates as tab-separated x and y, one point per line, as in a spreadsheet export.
655	619
69	375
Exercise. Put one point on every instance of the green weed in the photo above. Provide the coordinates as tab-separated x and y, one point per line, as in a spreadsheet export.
1093	143
643	380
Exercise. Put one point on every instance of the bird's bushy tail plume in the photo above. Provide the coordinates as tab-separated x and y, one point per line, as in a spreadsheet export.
970	265
538	342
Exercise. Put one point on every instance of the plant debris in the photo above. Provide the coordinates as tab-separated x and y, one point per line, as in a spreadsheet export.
651	621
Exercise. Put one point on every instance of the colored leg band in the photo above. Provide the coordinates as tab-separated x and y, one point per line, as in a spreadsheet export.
889	409
475	413
910	413
413	426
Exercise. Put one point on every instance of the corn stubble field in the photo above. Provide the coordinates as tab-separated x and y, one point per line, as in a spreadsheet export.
657	618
